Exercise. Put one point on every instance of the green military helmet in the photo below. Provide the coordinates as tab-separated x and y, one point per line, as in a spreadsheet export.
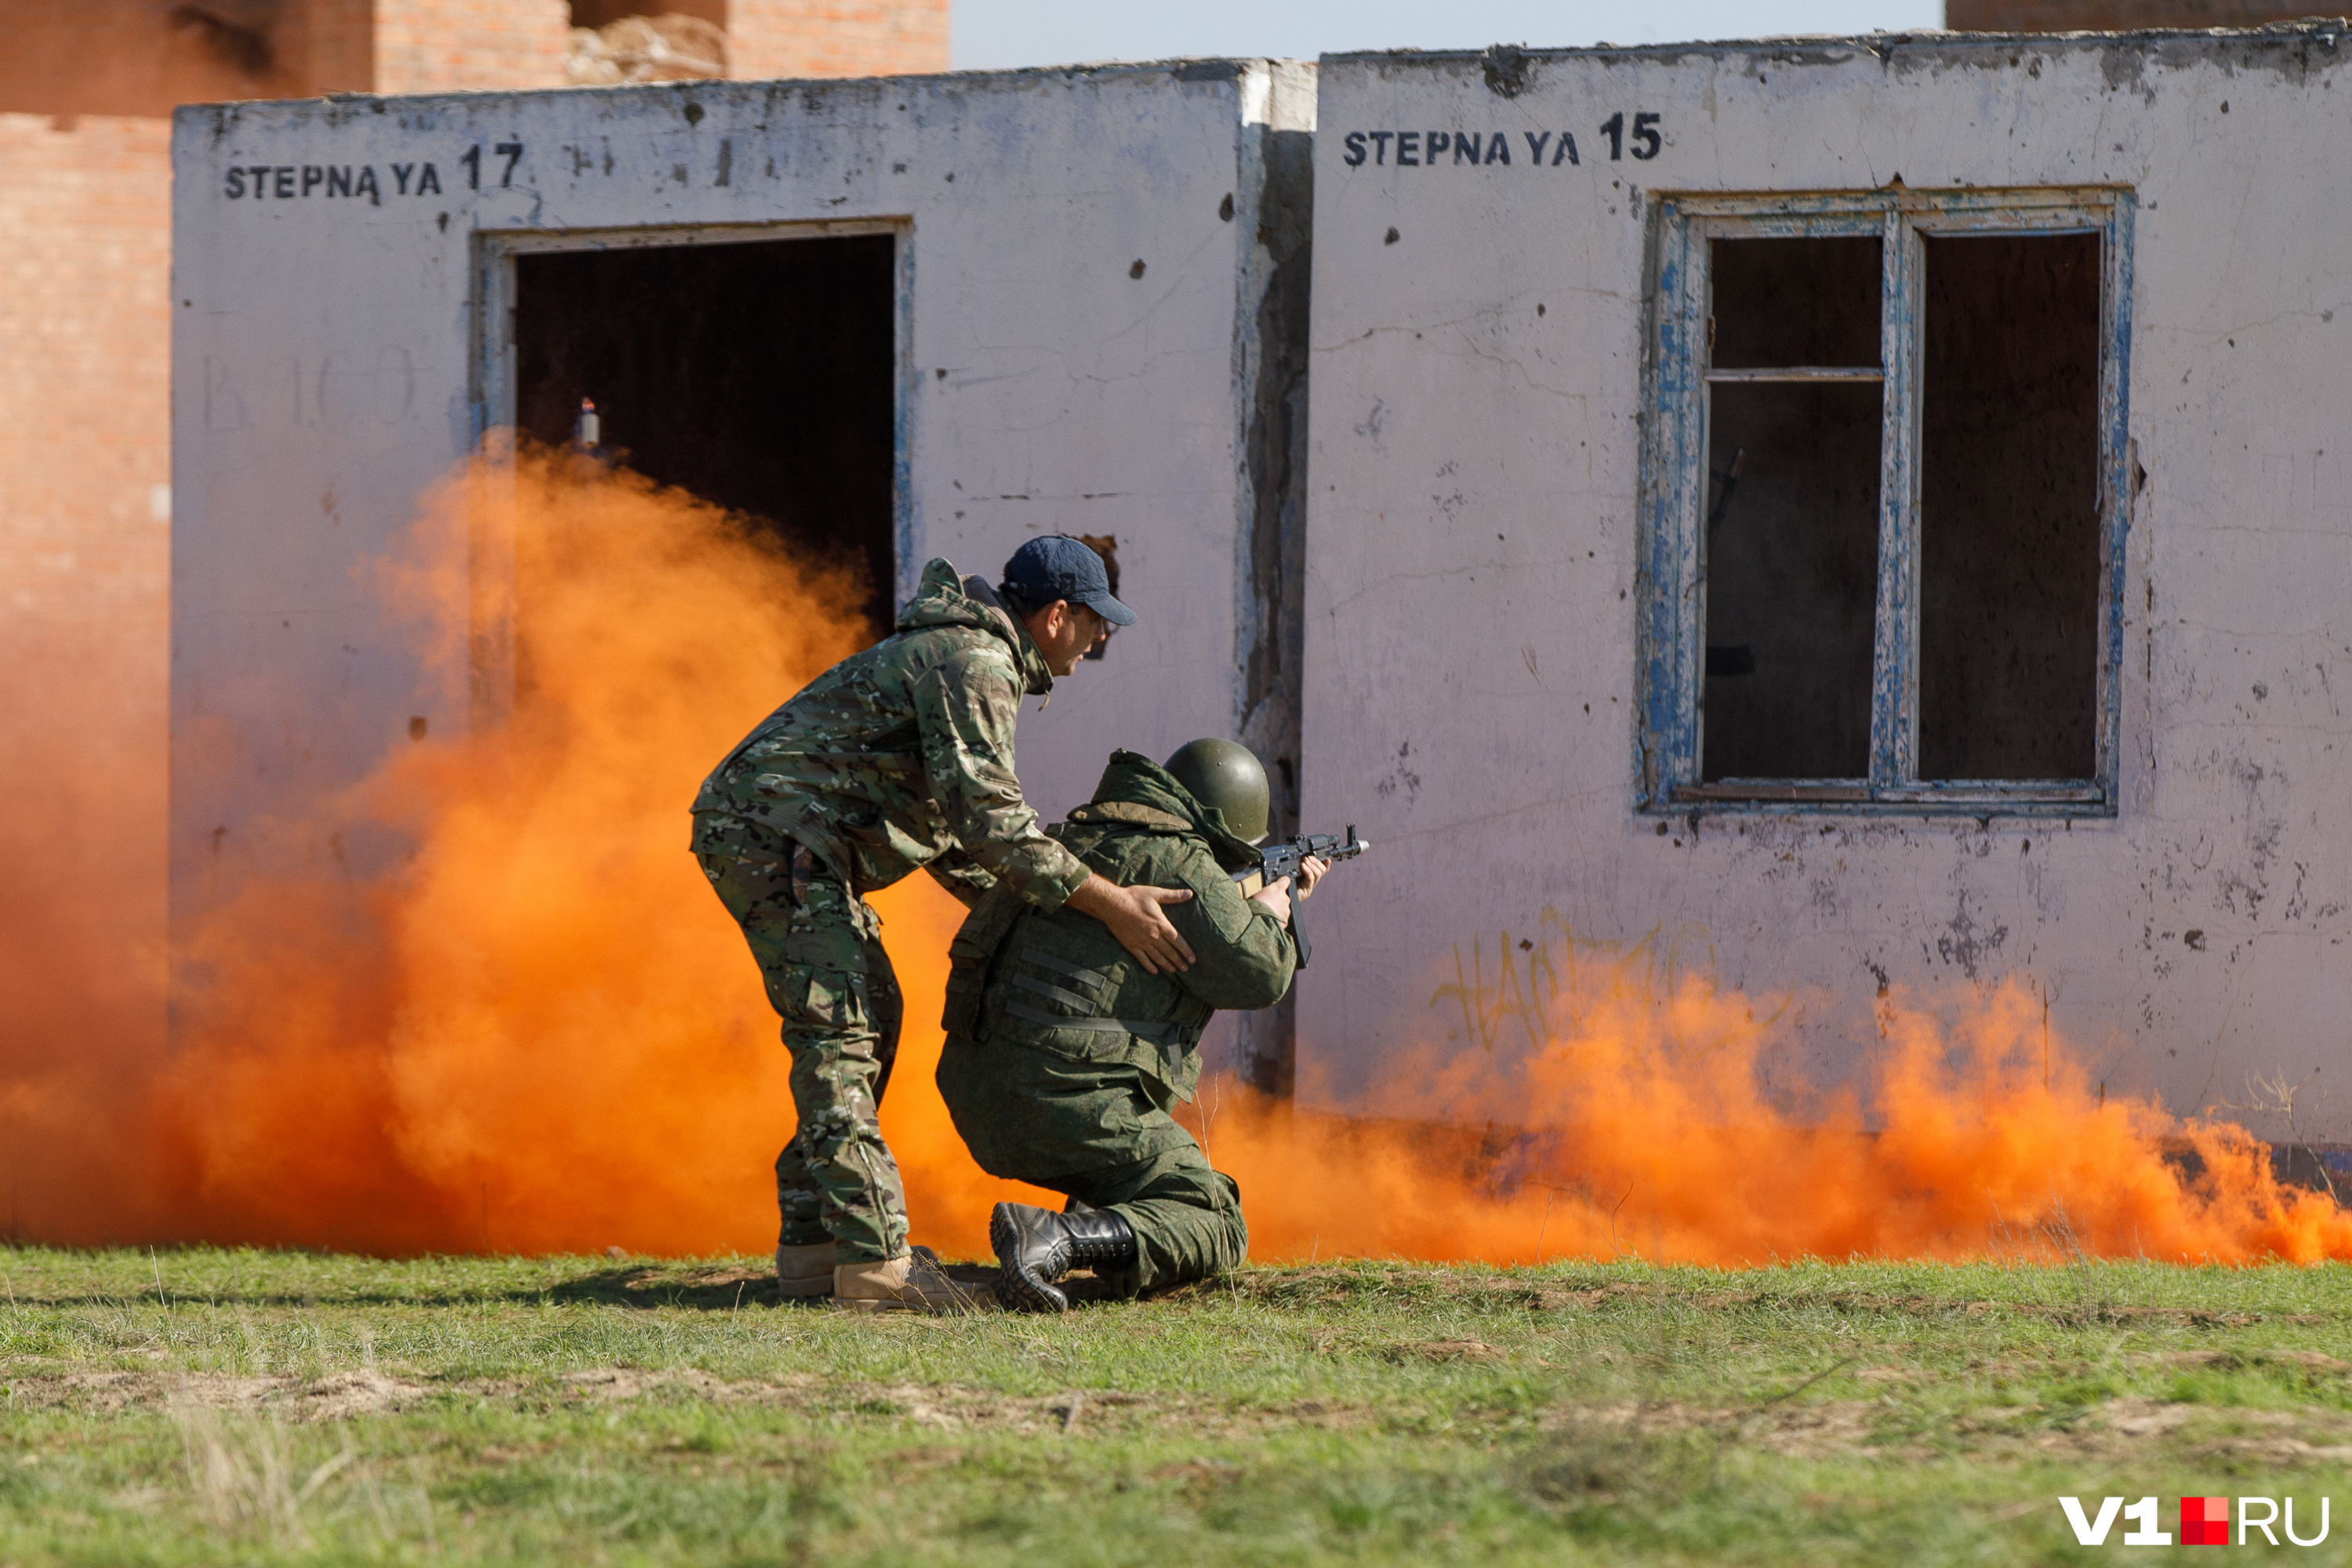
1226	777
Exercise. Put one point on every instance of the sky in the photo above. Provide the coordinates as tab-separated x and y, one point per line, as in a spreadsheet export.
993	33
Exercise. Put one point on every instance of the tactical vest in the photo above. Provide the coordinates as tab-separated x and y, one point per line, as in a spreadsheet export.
1011	979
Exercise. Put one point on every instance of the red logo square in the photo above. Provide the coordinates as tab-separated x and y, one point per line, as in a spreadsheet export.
2204	1522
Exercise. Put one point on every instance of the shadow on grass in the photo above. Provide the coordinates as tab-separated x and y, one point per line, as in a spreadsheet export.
635	1283
718	1290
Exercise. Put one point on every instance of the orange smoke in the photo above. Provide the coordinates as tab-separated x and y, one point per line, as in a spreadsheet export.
540	1031
1649	1135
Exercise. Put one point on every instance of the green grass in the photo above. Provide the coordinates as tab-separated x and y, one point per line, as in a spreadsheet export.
212	1406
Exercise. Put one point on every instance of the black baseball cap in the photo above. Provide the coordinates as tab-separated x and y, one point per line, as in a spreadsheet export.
1056	567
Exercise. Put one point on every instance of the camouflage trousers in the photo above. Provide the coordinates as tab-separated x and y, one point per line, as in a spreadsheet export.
819	949
1098	1132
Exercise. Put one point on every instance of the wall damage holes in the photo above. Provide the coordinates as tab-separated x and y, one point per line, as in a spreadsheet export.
1508	69
1391	239
1135	270
1226	207
416	727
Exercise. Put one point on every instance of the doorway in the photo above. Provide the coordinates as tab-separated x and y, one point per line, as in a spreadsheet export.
759	374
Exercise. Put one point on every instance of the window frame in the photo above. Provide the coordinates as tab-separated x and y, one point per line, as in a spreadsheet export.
1672	586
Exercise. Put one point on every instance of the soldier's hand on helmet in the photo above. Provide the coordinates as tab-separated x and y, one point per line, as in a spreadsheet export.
1311	872
1135	917
1275	896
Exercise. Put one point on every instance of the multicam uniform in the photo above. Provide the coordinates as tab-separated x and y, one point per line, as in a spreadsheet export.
1063	1055
897	757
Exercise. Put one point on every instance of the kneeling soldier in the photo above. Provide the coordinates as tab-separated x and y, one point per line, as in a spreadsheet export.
1063	1054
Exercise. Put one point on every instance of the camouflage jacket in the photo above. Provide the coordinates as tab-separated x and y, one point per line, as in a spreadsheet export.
1059	981
901	756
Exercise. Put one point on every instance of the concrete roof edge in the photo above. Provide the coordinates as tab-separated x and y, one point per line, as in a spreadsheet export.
1877	43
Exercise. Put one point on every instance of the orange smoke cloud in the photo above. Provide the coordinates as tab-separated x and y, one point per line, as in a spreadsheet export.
1650	1134
541	1032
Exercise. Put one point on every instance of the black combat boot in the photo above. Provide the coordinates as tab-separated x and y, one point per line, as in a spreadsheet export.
1034	1248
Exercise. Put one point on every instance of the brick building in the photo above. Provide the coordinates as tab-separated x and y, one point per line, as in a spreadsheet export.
85	419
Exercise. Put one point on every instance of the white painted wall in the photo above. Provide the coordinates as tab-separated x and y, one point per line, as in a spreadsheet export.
1470	664
324	348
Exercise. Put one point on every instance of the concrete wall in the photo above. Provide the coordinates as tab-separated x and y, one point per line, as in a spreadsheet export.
1049	386
1476	529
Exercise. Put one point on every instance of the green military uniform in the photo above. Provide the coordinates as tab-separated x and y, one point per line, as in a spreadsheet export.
897	757
1063	1055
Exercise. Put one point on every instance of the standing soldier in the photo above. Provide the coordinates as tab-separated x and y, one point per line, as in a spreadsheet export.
1063	1059
898	757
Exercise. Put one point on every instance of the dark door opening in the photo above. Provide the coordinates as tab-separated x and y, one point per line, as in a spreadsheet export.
758	375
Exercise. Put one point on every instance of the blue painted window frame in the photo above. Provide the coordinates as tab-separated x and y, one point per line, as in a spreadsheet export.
1672	573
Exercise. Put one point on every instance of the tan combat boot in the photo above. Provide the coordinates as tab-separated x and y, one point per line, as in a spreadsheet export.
913	1283
804	1270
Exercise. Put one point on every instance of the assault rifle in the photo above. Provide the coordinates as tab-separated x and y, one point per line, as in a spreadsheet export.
1282	858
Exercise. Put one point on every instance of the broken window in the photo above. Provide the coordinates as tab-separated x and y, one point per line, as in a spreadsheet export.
1881	541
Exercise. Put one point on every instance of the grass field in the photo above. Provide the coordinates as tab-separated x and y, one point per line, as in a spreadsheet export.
220	1407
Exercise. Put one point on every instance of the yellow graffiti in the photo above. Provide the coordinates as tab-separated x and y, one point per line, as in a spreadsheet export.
1533	984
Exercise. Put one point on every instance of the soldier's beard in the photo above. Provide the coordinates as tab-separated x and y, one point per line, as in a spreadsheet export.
539	1031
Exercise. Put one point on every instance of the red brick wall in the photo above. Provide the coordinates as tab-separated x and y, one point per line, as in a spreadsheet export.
84	454
329	45
440	45
2115	16
596	13
139	56
114	57
836	37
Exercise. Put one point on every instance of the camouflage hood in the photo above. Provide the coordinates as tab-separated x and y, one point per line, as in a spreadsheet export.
1140	792
943	599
